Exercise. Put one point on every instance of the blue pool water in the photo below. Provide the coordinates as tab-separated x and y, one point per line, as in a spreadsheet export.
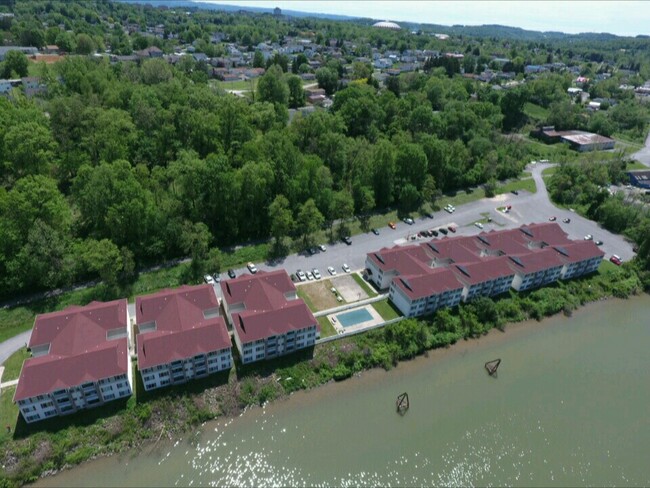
355	317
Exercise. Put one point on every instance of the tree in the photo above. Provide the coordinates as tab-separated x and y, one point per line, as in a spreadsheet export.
258	59
16	65
342	209
104	258
309	221
272	87
327	80
393	85
85	44
296	92
409	198
29	149
195	240
281	219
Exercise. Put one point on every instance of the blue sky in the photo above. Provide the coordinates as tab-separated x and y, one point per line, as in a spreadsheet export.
617	17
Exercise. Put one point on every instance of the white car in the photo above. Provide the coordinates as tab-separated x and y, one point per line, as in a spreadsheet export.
589	237
208	279
450	208
316	273
331	271
252	268
346	268
478	224
322	247
301	275
310	276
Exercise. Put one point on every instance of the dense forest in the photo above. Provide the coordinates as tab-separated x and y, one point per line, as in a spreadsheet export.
121	165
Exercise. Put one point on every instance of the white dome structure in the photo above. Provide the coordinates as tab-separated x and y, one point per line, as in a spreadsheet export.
387	25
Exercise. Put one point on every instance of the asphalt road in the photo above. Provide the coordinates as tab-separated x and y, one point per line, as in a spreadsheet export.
643	155
527	208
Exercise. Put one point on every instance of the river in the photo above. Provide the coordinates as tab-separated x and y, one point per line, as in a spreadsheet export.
569	408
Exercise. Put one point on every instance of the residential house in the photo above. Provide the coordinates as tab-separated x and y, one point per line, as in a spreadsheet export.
267	317
181	336
80	359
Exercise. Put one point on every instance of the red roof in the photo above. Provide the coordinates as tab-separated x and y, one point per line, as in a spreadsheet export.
436	281
79	350
186	324
476	259
482	271
267	311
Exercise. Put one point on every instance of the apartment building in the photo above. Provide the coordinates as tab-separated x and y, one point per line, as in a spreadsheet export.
442	272
181	336
80	359
267	317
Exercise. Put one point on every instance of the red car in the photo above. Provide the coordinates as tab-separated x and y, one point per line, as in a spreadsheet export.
391	225
616	260
452	228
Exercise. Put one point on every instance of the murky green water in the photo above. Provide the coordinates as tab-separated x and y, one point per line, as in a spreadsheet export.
569	408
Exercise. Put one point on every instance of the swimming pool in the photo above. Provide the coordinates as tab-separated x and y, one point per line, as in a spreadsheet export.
355	317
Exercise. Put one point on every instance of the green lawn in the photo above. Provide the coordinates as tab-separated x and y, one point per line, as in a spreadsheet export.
326	328
305	297
605	266
362	283
635	165
13	364
535	111
527	184
8	413
549	171
386	310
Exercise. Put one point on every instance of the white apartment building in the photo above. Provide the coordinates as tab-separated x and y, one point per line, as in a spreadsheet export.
267	317
80	359
181	336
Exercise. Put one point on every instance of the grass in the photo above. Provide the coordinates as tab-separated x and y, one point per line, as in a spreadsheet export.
8	413
549	171
302	293
326	328
635	165
364	286
386	309
526	184
238	85
13	364
606	266
318	295
15	320
535	111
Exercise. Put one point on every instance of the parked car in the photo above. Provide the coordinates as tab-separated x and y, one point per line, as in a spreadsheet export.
301	275
443	231
615	259
347	240
450	208
316	273
408	220
322	247
331	271
217	278
598	243
346	268
374	231
552	219
392	225
434	232
208	279
589	237
566	220
309	275
252	268
231	273
514	192
430	215
311	251
478	224
451	228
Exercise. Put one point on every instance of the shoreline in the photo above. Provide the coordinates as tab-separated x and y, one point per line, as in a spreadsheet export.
305	397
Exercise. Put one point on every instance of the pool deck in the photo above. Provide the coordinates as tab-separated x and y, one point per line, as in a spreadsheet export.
376	319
